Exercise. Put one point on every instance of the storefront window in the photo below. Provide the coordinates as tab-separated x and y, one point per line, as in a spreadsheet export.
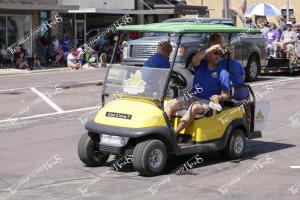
17	27
14	28
2	31
44	17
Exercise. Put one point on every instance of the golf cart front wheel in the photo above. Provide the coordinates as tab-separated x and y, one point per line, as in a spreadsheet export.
149	157
236	145
88	151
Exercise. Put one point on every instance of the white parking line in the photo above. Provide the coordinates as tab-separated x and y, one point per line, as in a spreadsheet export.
48	114
278	81
47	100
295	167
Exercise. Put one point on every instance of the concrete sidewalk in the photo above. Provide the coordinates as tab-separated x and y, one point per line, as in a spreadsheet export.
12	71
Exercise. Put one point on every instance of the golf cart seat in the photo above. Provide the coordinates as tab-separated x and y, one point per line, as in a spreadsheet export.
180	113
233	102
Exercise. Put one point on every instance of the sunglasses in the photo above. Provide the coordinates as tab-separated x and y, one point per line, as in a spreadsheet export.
218	53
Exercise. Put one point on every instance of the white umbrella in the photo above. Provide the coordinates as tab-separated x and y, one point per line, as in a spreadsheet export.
263	9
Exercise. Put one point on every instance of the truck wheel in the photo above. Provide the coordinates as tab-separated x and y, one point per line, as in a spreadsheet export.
149	157
236	145
252	69
88	152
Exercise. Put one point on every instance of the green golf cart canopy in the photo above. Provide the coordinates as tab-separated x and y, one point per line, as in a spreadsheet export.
187	27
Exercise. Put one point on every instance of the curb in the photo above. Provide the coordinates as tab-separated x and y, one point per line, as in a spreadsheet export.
34	71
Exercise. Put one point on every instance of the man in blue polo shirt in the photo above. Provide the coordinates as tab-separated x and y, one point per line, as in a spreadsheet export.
211	76
161	58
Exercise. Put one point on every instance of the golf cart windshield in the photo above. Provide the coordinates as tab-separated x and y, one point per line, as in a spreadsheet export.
136	81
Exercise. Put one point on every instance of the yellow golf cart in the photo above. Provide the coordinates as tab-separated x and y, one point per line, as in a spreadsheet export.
132	120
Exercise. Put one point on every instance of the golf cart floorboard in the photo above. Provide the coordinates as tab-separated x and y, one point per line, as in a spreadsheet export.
185	144
189	148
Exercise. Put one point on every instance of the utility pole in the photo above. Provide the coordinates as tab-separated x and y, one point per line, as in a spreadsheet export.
226	4
140	5
287	10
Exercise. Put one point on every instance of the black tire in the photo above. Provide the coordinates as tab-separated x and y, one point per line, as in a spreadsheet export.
89	153
141	157
252	69
231	152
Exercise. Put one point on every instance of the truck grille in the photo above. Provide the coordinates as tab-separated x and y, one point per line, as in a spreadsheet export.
142	51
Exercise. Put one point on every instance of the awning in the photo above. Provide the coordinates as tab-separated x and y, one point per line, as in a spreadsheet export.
12	6
157	10
123	11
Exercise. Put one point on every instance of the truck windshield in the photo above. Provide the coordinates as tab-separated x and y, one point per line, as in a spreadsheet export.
136	81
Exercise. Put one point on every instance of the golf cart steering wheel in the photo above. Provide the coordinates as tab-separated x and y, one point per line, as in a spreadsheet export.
178	81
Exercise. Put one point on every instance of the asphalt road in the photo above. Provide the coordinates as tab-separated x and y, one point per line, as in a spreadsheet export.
34	131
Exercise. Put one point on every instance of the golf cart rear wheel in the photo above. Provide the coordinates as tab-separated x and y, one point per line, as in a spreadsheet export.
89	153
149	157
236	145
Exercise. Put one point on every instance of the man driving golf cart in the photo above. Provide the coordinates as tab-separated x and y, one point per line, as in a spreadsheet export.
211	76
161	58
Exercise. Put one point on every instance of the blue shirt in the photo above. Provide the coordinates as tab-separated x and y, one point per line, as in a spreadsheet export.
211	81
236	71
157	61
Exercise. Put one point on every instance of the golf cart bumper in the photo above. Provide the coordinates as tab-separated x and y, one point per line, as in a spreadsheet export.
94	127
160	132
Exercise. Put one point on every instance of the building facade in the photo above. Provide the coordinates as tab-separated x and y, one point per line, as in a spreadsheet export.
216	6
81	18
19	17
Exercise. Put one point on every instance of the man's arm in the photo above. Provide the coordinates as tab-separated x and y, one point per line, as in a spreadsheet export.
197	58
225	86
224	96
201	54
242	18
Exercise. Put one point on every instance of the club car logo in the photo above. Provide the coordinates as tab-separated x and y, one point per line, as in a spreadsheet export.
118	115
135	84
260	116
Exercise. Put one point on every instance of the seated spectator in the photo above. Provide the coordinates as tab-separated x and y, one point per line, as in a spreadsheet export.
282	24
73	60
297	31
21	61
103	60
293	20
287	41
161	58
266	28
89	58
36	62
272	36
